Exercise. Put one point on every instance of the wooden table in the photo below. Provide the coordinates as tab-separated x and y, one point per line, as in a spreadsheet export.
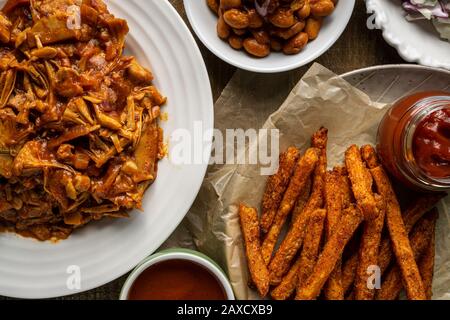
357	48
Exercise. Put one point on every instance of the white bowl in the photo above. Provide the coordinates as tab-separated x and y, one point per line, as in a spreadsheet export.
416	41
204	22
178	254
104	251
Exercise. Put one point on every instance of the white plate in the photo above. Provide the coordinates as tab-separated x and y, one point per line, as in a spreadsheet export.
106	250
415	41
204	22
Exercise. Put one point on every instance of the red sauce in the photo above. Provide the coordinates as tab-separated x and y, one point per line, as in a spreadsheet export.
414	140
177	280
432	144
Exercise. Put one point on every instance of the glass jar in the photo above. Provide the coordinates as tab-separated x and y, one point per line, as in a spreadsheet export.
414	141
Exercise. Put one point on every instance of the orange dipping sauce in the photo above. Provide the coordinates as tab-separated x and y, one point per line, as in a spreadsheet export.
177	280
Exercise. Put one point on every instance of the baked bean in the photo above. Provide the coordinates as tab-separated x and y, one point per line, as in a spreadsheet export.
312	27
230	4
239	32
256	49
273	5
223	30
305	11
236	19
276	45
261	36
235	42
254	19
297	4
322	8
214	5
282	18
290	32
296	43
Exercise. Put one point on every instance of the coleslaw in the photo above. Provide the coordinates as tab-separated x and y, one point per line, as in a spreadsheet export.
437	11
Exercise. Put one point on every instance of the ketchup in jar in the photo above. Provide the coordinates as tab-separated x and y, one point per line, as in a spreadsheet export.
414	141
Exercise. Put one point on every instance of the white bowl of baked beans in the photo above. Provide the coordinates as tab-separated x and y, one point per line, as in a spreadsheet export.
268	36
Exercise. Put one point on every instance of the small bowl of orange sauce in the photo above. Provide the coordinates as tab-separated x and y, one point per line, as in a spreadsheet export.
177	274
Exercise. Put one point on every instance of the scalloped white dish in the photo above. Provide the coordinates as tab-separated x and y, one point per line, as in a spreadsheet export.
104	251
204	22
416	41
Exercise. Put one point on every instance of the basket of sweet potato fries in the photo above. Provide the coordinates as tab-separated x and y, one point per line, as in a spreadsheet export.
347	238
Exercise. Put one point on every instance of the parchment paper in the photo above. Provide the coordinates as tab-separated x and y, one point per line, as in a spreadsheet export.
320	99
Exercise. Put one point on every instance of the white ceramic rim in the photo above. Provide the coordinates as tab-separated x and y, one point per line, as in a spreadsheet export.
180	255
268	69
393	66
402	49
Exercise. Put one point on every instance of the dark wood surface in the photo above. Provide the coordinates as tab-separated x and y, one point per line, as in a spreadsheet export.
357	48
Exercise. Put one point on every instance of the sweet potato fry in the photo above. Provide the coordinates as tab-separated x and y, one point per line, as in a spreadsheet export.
276	186
293	240
368	251
291	243
370	157
349	271
412	214
333	288
306	260
371	238
287	286
426	264
346	187
334	203
361	183
310	290
420	239
419	207
399	236
320	139
250	230
311	245
347	194
303	171
333	200
302	200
